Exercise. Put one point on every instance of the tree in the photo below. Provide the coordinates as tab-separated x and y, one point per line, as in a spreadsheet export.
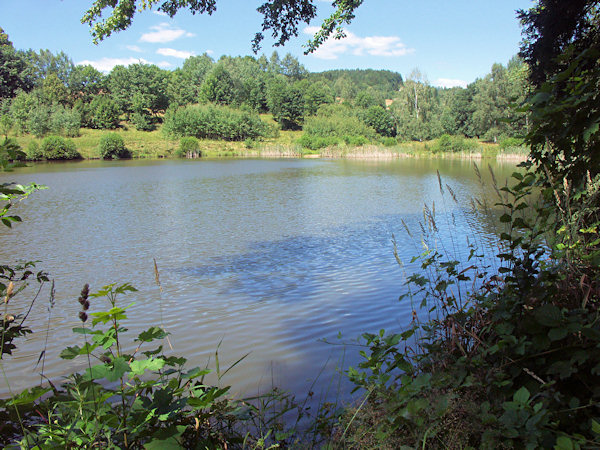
43	63
315	95
280	17
553	26
562	49
85	82
12	69
217	87
286	103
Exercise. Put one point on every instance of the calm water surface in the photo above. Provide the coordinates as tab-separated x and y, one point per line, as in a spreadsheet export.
268	257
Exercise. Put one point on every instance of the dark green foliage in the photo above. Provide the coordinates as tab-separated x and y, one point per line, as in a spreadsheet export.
43	63
316	95
58	148
286	103
217	87
103	113
139	86
380	120
12	69
565	114
112	146
550	28
369	97
384	81
214	122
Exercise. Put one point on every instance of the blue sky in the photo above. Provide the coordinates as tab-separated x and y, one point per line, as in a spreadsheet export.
452	42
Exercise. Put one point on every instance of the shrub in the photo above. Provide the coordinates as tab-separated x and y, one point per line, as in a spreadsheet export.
104	113
58	148
312	142
454	144
337	125
33	151
142	121
65	121
355	141
214	122
380	120
388	141
112	146
38	122
188	146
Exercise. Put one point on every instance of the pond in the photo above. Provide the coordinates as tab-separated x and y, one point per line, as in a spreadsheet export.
267	258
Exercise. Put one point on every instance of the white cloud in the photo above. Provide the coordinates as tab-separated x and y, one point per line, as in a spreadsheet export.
164	64
134	48
164	32
209	52
107	64
450	83
356	45
160	13
174	53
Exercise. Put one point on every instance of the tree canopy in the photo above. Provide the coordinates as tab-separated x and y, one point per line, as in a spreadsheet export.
280	17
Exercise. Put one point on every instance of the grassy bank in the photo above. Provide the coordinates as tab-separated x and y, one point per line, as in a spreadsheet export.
154	144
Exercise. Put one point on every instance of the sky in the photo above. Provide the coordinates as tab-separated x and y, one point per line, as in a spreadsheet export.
451	42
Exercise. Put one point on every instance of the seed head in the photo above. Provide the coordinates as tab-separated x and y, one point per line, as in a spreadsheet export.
83	316
9	292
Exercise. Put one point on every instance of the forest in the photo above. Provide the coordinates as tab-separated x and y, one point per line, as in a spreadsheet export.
44	94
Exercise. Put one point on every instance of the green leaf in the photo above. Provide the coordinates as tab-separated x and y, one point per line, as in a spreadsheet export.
28	396
151	334
556	334
563	443
195	373
70	352
595	427
548	315
138	367
521	396
505	218
112	371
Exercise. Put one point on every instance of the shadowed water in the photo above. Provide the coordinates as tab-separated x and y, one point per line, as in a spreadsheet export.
268	257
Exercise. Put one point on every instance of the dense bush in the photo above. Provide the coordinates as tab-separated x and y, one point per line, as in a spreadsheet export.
64	121
337	125
313	142
58	148
454	144
33	151
214	122
142	121
381	120
189	146
38	121
112	146
103	113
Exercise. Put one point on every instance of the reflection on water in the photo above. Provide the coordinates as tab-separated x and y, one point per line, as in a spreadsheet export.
265	256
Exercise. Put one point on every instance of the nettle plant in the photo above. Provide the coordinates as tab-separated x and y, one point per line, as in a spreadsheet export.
125	400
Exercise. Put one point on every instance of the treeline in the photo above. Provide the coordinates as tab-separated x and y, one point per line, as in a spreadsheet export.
43	93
